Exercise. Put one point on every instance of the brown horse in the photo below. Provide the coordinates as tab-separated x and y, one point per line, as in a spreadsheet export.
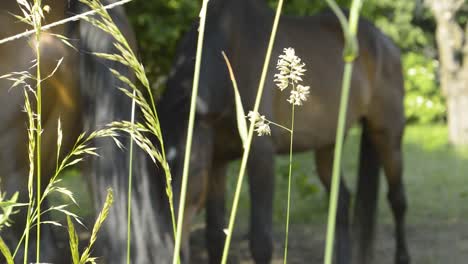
241	28
83	94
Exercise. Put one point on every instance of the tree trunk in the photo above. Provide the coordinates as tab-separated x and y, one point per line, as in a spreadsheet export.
452	44
457	112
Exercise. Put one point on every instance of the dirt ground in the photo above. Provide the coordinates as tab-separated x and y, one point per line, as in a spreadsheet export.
437	216
430	243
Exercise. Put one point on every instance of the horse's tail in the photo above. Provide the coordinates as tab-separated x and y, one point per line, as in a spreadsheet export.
366	195
103	103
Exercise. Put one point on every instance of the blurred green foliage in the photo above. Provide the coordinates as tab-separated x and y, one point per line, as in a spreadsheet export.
423	101
159	24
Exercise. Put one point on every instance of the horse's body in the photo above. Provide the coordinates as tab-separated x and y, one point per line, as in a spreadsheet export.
83	94
241	29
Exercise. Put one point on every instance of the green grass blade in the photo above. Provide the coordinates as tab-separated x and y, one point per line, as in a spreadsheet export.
245	156
85	257
288	210
337	165
130	177
73	241
6	252
188	146
240	113
350	53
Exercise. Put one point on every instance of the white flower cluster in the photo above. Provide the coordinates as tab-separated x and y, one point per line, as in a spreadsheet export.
262	125
291	69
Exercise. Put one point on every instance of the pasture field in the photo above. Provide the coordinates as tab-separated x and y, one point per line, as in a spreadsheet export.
437	187
436	182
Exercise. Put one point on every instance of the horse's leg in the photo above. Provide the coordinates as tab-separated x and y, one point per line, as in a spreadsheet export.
324	163
261	180
215	211
365	207
388	144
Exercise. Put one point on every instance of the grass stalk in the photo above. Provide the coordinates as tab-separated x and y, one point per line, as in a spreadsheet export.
25	235
137	131
286	240
33	13
130	176
349	55
37	19
337	164
38	144
183	190
245	155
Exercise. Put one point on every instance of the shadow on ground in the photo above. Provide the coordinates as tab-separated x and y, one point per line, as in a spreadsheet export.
429	244
435	174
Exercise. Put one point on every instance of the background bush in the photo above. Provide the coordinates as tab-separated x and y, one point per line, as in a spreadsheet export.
423	102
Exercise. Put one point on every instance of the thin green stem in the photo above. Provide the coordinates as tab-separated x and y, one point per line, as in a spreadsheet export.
341	16
38	192
337	163
145	83
130	177
289	187
183	190
354	17
245	156
350	53
25	235
37	24
280	126
171	206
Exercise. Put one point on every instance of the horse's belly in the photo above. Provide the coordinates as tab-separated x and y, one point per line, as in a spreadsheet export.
315	125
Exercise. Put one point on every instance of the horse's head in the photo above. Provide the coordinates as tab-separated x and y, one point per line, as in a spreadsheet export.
214	101
173	110
174	122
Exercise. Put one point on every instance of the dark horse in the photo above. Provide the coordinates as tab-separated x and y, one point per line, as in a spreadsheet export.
83	94
241	28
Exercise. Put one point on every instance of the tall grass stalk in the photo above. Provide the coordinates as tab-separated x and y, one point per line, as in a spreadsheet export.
37	19
31	147
245	155
262	123
337	165
137	131
73	237
75	156
80	149
350	54
130	177
288	209
188	145
32	14
99	221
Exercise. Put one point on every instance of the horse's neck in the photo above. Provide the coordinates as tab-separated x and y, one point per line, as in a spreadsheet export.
235	19
257	6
